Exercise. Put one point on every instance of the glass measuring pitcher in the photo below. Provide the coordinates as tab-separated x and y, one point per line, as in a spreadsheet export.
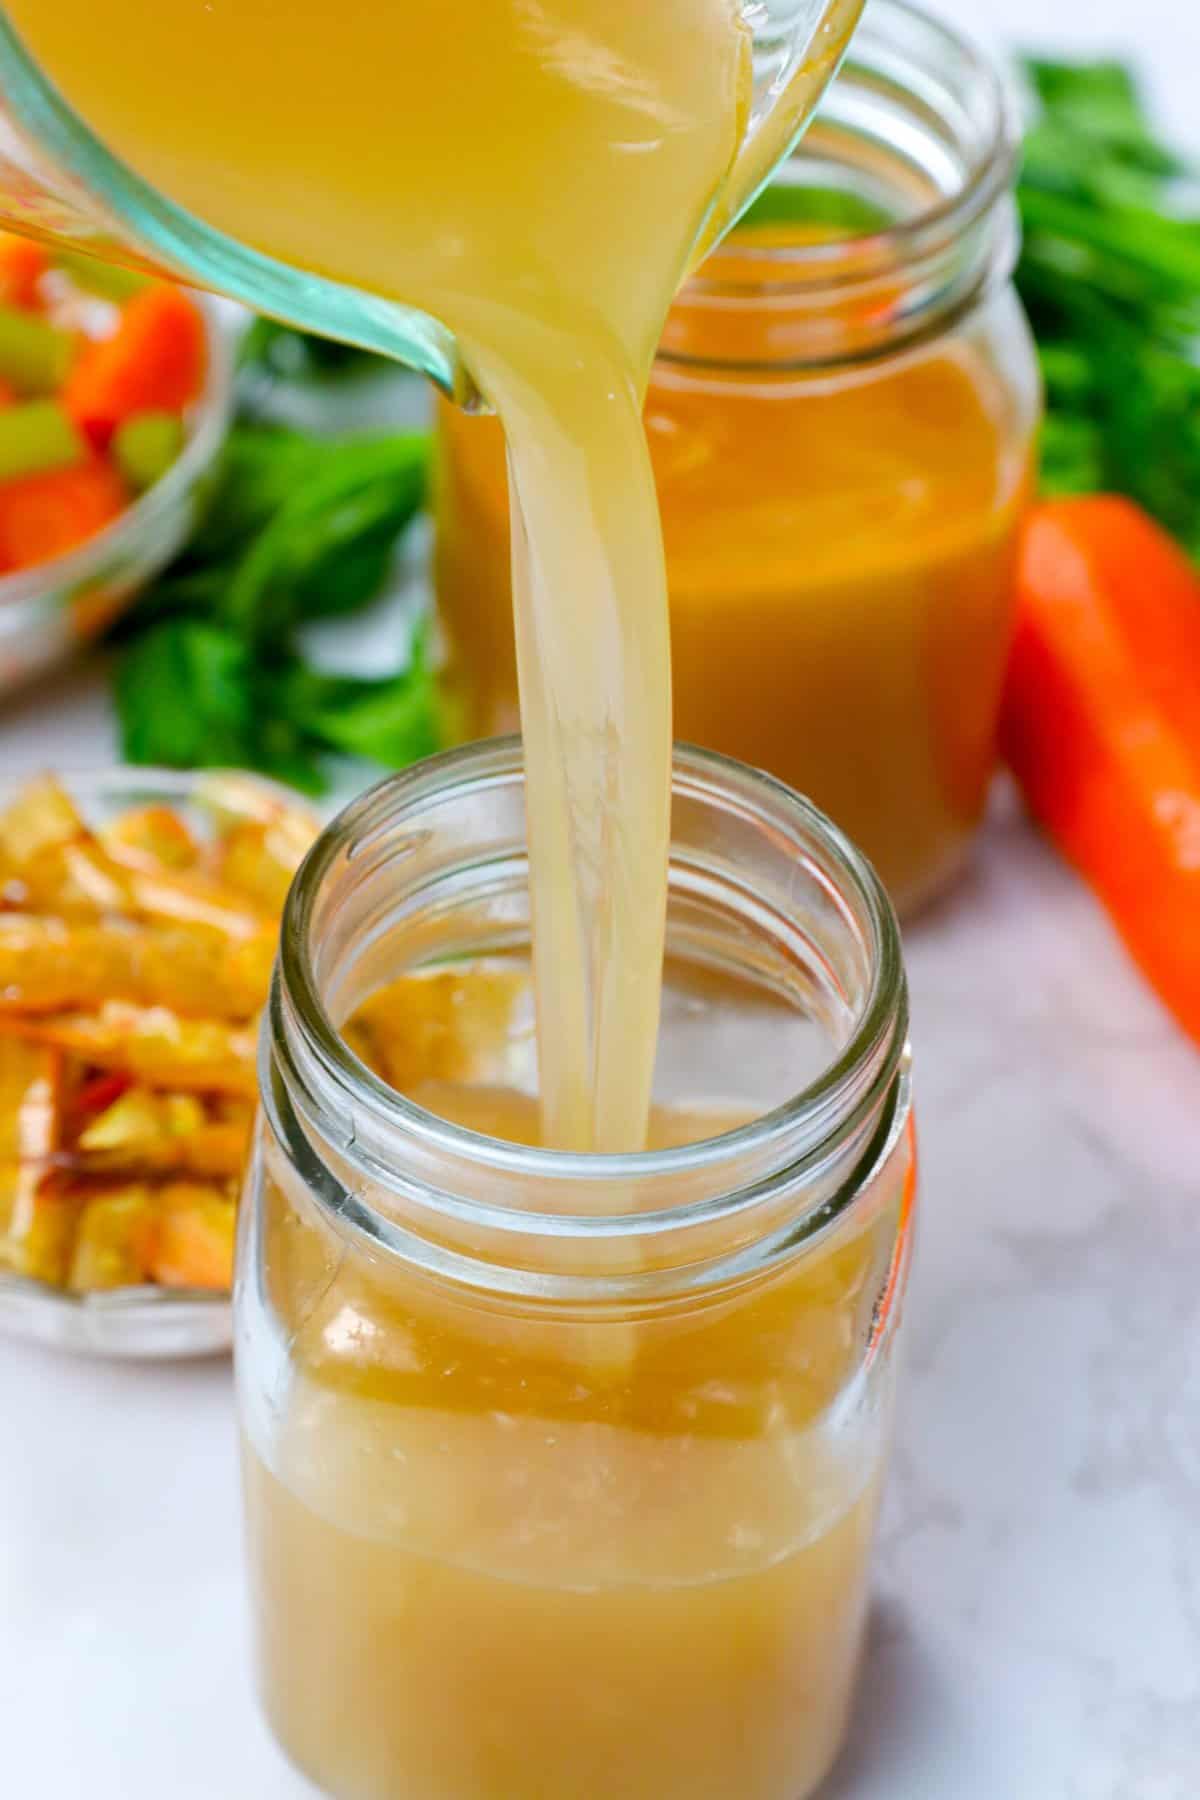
59	179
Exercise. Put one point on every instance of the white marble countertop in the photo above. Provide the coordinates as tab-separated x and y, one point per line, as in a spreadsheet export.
1036	1632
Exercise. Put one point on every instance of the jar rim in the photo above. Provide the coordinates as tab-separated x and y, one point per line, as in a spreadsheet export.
952	248
874	1044
985	177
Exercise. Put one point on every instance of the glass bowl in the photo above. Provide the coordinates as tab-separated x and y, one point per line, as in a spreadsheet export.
49	611
141	1322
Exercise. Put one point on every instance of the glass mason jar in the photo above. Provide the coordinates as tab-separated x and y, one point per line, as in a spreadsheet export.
561	1470
842	420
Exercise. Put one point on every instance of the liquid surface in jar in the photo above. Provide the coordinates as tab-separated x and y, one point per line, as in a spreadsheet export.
534	176
840	557
499	1560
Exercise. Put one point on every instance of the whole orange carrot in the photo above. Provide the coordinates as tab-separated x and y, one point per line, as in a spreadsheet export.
1101	723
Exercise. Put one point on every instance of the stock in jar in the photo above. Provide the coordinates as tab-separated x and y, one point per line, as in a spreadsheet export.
841	419
561	1470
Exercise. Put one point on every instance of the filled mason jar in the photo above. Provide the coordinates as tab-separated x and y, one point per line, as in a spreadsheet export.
842	419
561	1470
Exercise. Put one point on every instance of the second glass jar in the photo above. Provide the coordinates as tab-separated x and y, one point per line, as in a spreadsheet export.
841	418
561	1471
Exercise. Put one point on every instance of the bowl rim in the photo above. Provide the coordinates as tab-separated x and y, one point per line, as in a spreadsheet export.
213	412
154	1323
127	780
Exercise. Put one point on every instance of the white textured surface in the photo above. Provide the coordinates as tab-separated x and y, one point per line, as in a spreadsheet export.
1037	1628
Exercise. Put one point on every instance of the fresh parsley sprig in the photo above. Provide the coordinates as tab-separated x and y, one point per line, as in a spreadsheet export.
1110	278
211	669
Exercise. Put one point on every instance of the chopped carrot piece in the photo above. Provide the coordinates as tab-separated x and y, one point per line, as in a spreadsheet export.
43	516
154	362
22	265
196	1228
1101	724
8	394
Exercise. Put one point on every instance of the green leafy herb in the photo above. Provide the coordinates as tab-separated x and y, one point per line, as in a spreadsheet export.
296	528
211	671
286	354
1110	277
183	696
391	721
191	694
327	545
787	201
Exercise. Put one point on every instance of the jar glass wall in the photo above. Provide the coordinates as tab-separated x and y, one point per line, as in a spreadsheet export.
561	1470
842	425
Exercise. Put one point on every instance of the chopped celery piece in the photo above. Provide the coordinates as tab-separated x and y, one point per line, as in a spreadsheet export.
36	438
145	446
34	356
108	280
